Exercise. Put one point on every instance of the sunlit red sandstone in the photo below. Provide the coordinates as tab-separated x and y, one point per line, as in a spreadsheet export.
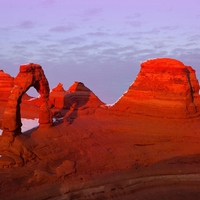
164	87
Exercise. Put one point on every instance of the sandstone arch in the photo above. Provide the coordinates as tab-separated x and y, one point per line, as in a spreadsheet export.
30	75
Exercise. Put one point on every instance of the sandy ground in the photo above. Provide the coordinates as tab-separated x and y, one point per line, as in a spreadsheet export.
116	157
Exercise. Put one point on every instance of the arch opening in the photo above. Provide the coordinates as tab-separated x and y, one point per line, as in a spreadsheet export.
32	92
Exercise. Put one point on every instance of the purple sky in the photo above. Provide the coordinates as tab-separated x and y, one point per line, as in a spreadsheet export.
98	42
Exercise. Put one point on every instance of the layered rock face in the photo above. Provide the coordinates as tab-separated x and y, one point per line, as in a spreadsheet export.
30	75
163	88
77	97
6	85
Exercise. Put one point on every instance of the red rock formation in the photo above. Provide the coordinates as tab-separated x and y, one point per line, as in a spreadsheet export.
58	88
30	75
110	157
77	97
6	85
80	97
163	88
57	96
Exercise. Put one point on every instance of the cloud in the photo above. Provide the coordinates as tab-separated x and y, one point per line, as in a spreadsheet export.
86	47
194	38
30	42
169	28
159	45
118	51
187	56
123	34
146	33
6	29
52	46
92	12
44	37
133	16
94	48
48	2
105	52
72	40
28	24
190	44
135	23
98	34
134	20
153	31
189	53
19	47
61	29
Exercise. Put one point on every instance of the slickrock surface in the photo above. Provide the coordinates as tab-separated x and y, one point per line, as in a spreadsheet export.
164	87
147	146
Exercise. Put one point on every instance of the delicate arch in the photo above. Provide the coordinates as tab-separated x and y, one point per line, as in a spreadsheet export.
30	75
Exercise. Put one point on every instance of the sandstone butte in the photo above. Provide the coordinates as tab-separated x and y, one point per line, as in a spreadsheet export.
145	146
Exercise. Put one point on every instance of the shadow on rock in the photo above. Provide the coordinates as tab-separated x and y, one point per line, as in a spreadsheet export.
76	101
